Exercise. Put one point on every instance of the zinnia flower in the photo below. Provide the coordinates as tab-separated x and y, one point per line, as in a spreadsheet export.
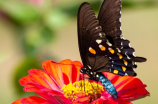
60	83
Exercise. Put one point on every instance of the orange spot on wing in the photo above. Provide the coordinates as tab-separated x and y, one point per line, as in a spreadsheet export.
123	68
115	71
91	50
125	62
102	48
111	50
120	56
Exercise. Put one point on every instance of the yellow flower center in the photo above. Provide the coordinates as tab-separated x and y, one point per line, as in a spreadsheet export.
93	90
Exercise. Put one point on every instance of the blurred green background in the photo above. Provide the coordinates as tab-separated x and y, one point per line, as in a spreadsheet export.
32	31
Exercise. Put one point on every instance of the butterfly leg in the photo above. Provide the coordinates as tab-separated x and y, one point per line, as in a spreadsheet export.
94	91
82	81
97	84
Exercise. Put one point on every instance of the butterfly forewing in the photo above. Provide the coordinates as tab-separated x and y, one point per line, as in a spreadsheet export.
87	33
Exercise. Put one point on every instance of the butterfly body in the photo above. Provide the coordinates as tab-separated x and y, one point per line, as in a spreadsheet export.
102	46
108	86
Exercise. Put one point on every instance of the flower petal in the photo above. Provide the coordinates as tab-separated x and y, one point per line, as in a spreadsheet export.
115	79
54	70
125	103
128	87
81	94
52	95
44	79
66	66
32	100
76	71
128	83
132	94
59	97
83	99
38	79
104	100
17	101
131	88
110	76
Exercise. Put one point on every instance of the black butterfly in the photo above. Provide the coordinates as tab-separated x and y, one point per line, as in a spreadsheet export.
101	44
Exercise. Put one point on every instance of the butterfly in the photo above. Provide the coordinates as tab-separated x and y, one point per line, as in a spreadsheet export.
102	46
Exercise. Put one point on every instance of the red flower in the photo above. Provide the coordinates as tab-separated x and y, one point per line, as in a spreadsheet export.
59	84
